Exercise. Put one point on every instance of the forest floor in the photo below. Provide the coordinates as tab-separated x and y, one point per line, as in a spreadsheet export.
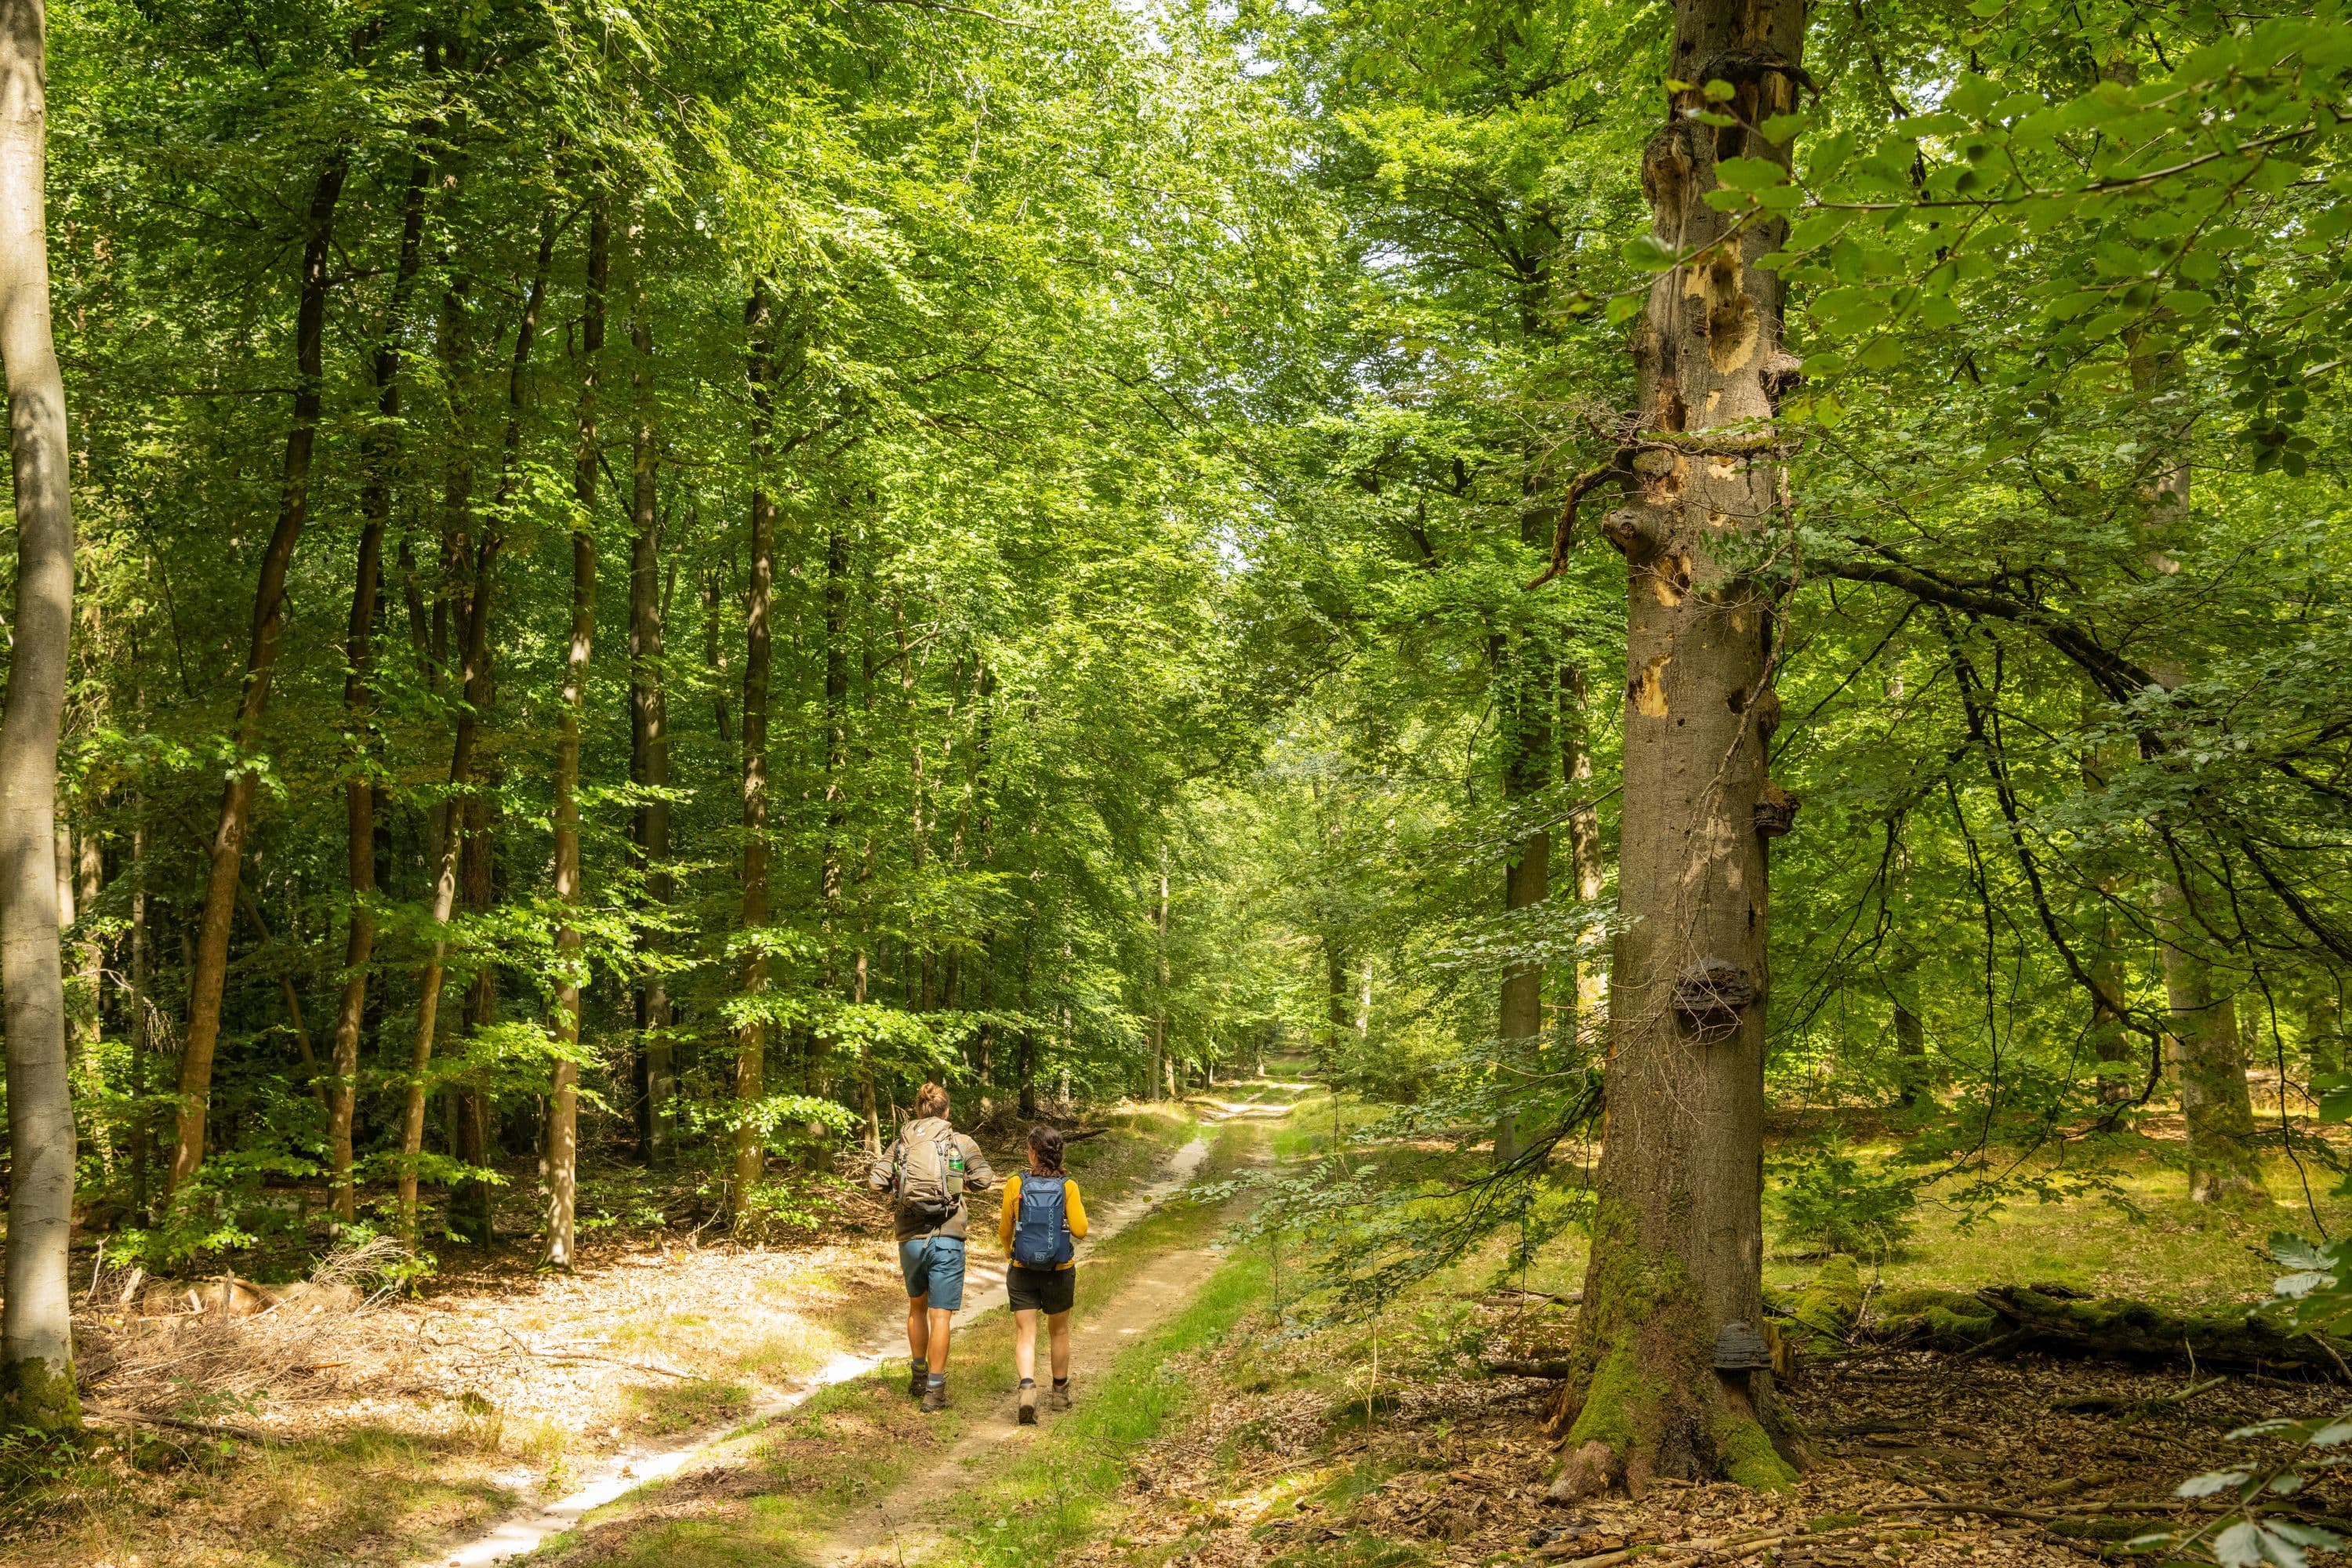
1219	1423
326	1432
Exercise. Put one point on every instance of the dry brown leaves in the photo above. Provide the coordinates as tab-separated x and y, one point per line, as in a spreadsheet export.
1456	1471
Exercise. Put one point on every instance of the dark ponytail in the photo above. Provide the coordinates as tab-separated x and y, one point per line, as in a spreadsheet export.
1046	1144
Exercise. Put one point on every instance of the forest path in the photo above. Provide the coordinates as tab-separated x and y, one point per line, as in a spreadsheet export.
635	1466
902	1524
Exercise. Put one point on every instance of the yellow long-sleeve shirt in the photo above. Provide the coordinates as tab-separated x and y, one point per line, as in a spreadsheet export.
1009	1214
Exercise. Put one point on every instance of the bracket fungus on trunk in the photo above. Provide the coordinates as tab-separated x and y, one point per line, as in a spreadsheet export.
1776	811
1709	996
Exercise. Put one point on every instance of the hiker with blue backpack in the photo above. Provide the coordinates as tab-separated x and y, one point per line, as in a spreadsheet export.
1040	1225
928	1171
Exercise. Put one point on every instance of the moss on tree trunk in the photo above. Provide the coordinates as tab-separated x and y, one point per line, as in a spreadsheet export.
1677	1245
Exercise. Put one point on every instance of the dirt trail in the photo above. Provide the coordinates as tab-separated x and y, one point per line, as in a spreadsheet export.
899	1526
634	1465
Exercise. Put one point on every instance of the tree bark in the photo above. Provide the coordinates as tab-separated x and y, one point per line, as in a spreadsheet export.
211	969
1163	1066
2103	957
2223	1163
1526	678
380	446
563	1100
1584	848
2323	1025
89	883
36	1326
751	1036
470	1217
143	1132
1677	1231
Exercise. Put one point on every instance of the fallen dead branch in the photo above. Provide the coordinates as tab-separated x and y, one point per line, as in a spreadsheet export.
106	1415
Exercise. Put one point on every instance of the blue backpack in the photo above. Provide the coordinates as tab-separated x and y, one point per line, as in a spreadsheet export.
1041	1236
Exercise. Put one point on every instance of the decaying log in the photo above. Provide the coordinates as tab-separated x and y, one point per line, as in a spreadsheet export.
2017	1318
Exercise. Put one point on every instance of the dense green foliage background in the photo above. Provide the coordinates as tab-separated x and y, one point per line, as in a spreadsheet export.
1173	405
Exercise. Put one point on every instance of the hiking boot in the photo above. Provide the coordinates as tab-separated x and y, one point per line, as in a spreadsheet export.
1028	1405
1060	1399
916	1376
935	1397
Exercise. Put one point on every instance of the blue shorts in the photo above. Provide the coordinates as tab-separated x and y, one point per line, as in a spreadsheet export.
933	1266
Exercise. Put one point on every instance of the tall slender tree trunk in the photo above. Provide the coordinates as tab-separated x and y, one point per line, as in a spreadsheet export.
2323	1025
1584	848
649	720
563	1101
2215	1103
142	1130
752	1036
380	446
36	1327
474	699
1528	677
211	971
1677	1231
2104	955
831	854
470	1217
2223	1163
90	954
1163	1068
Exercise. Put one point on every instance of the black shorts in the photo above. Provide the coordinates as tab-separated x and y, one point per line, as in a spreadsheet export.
1047	1290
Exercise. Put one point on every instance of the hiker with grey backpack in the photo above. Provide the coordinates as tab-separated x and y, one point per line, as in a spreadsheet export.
928	1171
1040	1225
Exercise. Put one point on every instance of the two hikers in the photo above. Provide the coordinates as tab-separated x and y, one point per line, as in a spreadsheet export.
927	1170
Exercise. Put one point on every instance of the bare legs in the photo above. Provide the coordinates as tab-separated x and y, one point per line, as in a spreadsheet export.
927	1335
1024	1343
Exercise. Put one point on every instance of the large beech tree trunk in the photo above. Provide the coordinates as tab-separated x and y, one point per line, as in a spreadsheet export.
211	969
752	1036
379	449
36	1326
1677	1233
563	1100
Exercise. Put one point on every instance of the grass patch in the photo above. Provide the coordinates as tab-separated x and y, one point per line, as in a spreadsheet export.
366	1497
684	1406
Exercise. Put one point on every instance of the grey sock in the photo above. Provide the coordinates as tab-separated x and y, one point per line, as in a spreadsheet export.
939	1380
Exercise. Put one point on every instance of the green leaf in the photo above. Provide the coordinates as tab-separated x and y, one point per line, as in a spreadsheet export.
1643	251
1782	129
1749	173
1623	308
2211	1482
1721	91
